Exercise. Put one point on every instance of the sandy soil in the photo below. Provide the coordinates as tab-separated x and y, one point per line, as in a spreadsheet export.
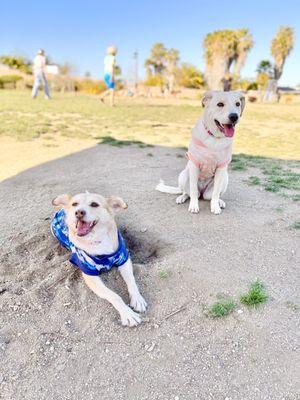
58	341
16	156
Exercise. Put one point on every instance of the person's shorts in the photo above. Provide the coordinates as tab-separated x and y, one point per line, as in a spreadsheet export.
110	84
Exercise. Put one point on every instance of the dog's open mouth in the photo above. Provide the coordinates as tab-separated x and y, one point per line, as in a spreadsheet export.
84	227
227	129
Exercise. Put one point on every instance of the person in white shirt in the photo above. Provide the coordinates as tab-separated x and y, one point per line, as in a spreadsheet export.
109	74
39	67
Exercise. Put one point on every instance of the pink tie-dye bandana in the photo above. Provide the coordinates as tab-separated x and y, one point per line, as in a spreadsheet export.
207	159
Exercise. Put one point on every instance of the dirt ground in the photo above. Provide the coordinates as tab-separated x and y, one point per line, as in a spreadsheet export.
58	341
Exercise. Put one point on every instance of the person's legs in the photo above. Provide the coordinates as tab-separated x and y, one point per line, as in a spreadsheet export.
110	84
112	97
45	85
36	85
104	94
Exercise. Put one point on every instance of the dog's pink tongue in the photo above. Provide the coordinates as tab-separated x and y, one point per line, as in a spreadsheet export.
229	130
83	228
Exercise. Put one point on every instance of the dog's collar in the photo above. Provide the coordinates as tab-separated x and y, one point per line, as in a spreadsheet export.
209	132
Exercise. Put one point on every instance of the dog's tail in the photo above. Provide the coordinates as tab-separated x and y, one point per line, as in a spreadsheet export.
161	187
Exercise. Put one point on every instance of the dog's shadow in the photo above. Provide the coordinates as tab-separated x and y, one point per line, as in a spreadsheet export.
143	247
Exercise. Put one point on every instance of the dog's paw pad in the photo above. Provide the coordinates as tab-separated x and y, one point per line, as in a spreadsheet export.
215	209
194	210
138	303
181	199
194	207
130	318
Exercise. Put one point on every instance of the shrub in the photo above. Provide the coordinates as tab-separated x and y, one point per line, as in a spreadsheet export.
155	80
190	77
20	63
90	86
9	81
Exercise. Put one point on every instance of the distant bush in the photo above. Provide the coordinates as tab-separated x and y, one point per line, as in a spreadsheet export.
155	80
9	81
19	63
252	86
243	84
89	86
190	77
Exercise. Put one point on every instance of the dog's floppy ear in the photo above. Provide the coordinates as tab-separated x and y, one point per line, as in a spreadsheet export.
116	203
243	101
206	98
61	201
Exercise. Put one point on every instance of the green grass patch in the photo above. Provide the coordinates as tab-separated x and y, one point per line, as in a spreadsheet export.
256	295
221	308
285	179
279	209
278	174
238	163
292	306
296	225
272	187
163	273
271	169
120	143
254	180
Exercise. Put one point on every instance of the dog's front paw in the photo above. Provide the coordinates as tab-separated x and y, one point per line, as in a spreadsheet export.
182	198
194	206
138	303
215	207
130	318
222	203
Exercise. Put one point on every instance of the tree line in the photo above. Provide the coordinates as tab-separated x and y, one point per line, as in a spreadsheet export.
225	53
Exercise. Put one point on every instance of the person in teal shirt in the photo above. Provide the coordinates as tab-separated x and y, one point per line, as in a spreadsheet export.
109	74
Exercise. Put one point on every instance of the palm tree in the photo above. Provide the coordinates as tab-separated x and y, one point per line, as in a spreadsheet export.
281	46
243	46
265	67
172	58
224	49
156	63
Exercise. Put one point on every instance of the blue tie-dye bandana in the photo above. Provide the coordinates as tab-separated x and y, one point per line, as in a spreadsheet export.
90	265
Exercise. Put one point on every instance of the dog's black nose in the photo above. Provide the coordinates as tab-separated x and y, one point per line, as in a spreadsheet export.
80	214
233	117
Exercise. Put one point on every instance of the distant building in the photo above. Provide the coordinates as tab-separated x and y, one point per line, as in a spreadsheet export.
288	89
52	69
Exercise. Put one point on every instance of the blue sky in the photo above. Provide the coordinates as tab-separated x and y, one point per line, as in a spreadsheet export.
79	31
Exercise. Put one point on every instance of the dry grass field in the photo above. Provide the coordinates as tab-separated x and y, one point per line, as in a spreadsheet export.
36	131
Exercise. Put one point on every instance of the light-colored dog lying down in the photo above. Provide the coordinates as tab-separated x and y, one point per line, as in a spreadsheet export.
86	226
209	152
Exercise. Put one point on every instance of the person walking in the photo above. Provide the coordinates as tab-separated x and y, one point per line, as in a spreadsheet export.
39	67
109	74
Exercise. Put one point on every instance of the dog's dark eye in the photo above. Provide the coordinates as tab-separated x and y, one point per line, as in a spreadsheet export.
75	204
220	104
238	104
94	204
